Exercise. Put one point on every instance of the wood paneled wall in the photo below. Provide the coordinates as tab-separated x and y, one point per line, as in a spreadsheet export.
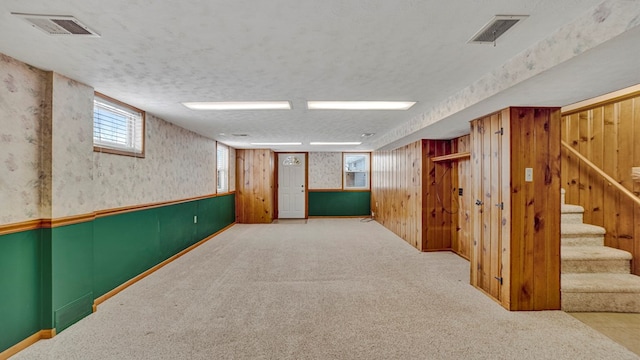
608	134
516	253
396	191
412	196
535	209
461	204
255	188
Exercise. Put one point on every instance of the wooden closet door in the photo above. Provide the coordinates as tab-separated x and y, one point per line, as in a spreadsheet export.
486	159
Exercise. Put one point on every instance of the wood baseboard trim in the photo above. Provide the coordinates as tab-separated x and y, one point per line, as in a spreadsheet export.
150	271
459	254
42	334
47	334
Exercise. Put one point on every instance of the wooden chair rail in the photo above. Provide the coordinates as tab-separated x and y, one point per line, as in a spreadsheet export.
595	168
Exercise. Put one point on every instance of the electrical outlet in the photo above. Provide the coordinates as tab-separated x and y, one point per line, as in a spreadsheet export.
195	219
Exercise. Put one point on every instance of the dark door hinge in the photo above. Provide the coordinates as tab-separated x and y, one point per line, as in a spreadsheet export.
500	205
499	279
501	131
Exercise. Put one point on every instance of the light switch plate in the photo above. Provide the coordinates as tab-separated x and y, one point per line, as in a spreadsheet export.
528	174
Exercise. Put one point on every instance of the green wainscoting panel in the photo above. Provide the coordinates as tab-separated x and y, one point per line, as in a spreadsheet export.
71	272
339	203
49	278
20	287
128	244
177	228
124	246
225	212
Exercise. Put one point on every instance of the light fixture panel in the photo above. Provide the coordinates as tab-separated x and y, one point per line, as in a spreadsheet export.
276	143
324	143
359	105
238	105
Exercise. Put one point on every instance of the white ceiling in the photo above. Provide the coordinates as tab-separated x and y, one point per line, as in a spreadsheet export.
156	54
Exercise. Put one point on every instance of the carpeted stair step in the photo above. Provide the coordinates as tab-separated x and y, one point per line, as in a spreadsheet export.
581	235
601	292
571	214
594	259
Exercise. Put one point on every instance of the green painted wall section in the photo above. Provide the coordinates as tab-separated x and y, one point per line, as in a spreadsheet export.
339	203
128	244
20	286
50	277
71	272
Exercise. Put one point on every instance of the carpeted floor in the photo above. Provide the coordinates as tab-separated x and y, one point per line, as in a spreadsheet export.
327	289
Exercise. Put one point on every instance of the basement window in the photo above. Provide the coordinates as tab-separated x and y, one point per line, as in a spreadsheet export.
223	168
356	171
118	128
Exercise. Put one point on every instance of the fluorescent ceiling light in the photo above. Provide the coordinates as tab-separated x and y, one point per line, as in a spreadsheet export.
239	105
277	143
359	105
335	143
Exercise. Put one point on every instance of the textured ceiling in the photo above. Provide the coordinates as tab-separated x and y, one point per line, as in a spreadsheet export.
156	54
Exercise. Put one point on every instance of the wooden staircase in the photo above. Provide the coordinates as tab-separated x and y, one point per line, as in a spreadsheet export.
594	277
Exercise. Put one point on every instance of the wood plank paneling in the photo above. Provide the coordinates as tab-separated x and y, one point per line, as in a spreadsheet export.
635	263
516	253
255	186
476	190
506	218
595	183
461	178
613	144
397	192
610	166
625	163
411	194
494	204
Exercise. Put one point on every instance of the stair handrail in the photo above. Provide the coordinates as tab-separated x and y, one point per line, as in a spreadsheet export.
600	172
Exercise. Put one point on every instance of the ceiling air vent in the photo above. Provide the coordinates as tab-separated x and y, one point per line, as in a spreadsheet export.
496	28
57	24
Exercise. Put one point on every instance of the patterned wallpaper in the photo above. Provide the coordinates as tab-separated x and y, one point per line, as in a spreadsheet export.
22	106
178	164
71	148
325	170
48	167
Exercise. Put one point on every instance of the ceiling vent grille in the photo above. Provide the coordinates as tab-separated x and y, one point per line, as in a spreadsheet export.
58	24
499	25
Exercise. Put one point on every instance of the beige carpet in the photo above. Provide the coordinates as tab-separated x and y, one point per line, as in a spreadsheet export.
328	289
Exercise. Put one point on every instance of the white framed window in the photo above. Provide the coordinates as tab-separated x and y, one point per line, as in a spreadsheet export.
118	128
222	164
356	171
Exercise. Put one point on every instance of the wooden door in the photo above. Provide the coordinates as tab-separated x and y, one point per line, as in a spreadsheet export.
254	190
292	199
487	170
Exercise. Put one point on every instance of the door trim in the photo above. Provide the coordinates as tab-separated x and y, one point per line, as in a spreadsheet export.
276	214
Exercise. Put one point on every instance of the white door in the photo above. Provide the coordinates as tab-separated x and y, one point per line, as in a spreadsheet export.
291	192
